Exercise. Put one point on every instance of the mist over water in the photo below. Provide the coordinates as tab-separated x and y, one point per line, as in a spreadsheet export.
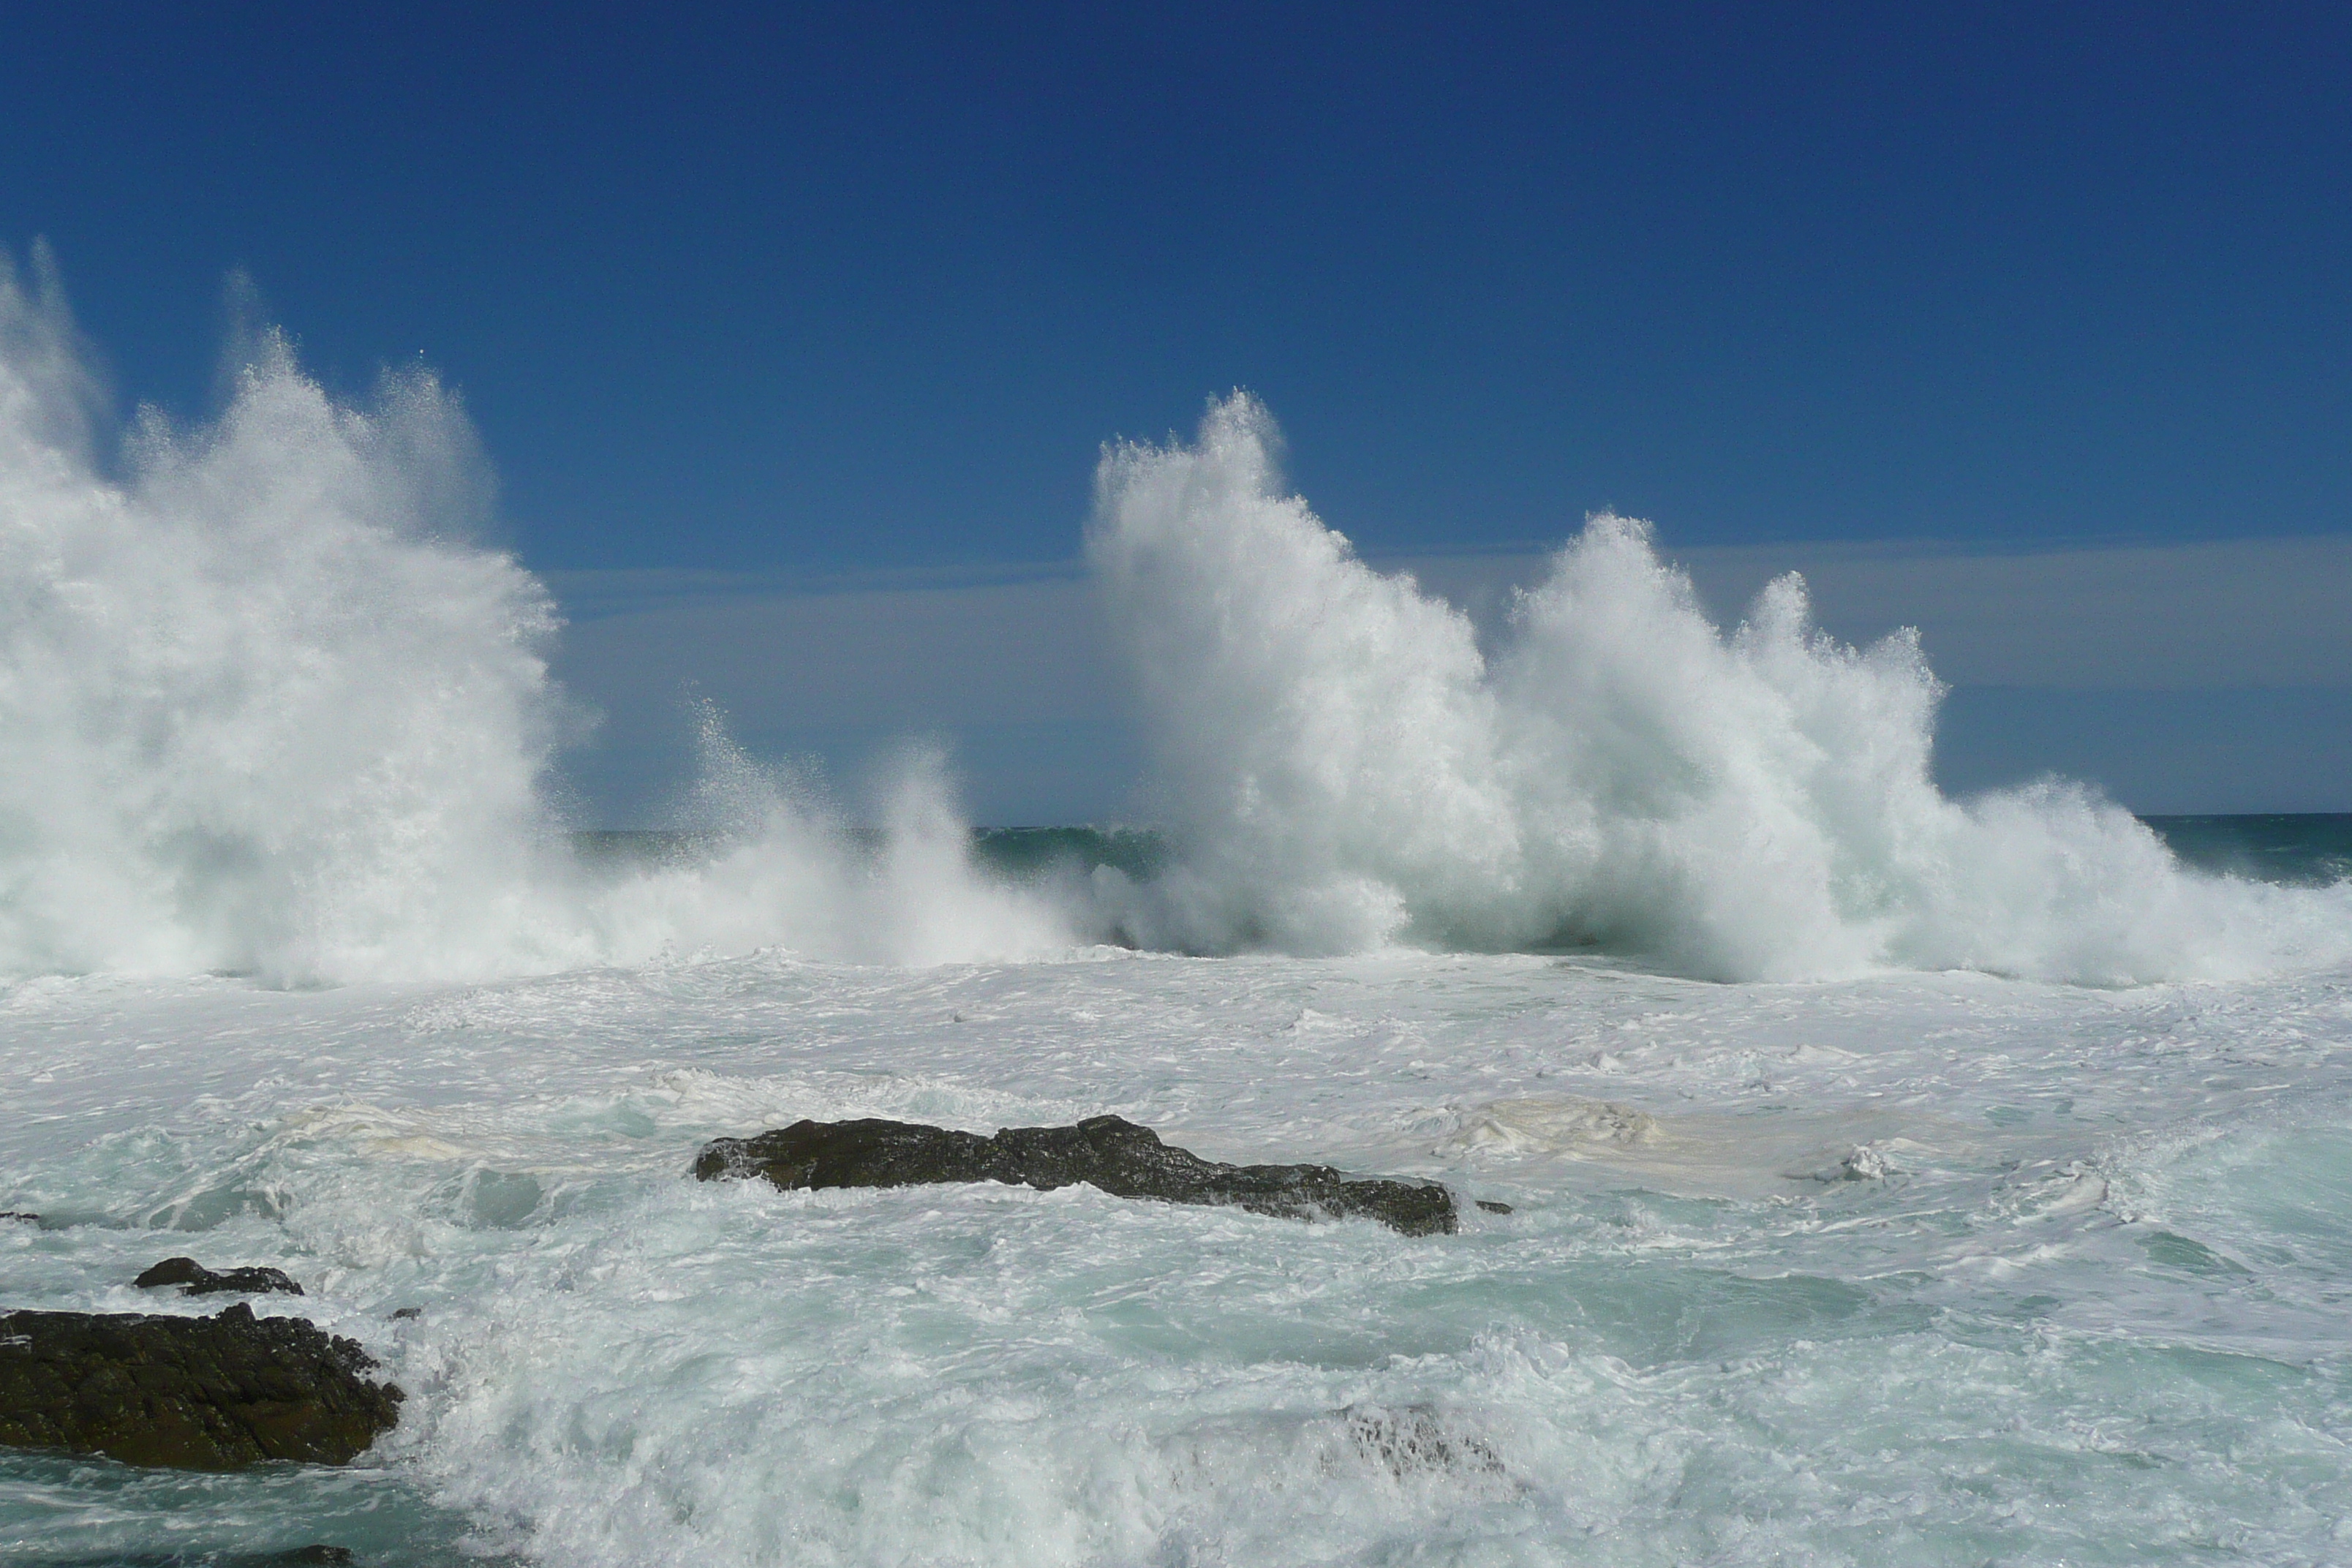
1343	767
268	705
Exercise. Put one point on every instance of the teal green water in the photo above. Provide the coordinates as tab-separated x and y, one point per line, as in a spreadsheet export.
1009	851
2301	849
2304	849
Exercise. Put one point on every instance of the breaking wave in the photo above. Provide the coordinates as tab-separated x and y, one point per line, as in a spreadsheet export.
1343	766
268	704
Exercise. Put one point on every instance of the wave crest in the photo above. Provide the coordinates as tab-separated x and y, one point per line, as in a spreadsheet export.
1345	767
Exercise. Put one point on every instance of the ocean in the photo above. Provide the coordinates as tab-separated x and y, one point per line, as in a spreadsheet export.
1890	1177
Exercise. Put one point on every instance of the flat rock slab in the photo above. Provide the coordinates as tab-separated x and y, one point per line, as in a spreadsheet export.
198	1394
1105	1152
194	1280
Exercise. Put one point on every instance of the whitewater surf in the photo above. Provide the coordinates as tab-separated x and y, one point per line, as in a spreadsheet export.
1890	1177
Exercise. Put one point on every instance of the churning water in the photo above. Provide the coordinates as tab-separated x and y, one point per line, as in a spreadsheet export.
1893	1178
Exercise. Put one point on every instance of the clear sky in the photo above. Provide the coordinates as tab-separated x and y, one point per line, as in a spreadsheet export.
820	290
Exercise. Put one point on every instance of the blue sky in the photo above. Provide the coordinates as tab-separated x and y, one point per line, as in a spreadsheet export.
823	297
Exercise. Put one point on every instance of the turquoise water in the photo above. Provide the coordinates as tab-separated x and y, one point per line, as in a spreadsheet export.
2297	849
2305	849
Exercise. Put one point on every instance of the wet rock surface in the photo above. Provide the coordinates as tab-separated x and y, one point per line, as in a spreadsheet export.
1105	1152
200	1394
194	1280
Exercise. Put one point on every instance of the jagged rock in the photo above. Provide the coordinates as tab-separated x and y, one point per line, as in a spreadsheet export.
198	1393
194	1280
27	1218
1107	1152
1491	1206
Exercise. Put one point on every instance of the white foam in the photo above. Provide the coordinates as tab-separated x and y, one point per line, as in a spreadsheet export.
265	705
1346	768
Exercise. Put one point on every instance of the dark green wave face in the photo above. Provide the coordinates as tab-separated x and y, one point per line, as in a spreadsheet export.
1026	851
2299	850
1016	853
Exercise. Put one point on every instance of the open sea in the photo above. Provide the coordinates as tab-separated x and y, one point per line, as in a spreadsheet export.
1891	1178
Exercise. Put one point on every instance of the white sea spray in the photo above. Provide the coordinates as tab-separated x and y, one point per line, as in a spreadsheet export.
268	705
1342	767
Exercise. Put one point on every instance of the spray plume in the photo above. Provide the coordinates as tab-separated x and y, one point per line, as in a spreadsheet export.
267	705
1344	768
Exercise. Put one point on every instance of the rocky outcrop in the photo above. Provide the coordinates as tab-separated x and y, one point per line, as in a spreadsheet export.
199	1394
1105	1152
194	1280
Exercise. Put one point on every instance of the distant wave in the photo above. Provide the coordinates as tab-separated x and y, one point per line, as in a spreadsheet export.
267	705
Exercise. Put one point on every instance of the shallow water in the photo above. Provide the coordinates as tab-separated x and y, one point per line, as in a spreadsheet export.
1941	1268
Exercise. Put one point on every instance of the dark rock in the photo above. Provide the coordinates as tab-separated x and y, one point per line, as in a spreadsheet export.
27	1218
400	1313
1107	1152
1491	1206
194	1280
199	1394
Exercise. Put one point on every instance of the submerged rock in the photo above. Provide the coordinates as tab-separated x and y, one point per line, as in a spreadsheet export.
194	1280
1105	1152
1865	1164
1416	1439
198	1393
